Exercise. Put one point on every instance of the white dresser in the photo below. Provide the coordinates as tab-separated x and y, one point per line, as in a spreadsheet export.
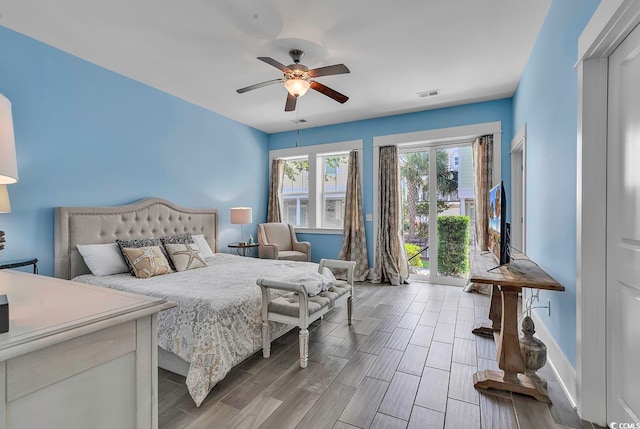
77	356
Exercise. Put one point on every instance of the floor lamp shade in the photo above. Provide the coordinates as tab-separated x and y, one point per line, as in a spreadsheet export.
8	164
5	205
241	215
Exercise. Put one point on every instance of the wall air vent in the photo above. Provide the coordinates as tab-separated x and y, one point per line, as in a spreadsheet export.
429	93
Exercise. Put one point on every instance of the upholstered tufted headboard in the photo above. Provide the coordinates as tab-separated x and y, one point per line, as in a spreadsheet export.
152	217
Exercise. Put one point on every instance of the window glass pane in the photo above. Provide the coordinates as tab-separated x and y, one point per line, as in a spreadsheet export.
334	186
295	191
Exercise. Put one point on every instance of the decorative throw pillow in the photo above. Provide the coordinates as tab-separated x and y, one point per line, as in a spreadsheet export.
205	250
147	261
185	256
103	259
141	242
175	239
178	239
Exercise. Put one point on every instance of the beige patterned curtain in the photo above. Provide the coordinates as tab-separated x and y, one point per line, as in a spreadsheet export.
391	258
274	211
354	241
482	183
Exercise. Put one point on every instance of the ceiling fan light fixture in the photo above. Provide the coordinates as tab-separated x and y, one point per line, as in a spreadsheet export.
297	87
297	78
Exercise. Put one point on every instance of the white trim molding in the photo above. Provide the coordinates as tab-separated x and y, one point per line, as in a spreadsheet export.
316	149
609	25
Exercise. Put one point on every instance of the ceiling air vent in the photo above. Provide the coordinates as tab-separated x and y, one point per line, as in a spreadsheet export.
429	93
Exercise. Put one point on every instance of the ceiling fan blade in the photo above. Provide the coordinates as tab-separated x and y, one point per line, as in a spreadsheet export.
340	98
329	70
258	85
276	64
291	103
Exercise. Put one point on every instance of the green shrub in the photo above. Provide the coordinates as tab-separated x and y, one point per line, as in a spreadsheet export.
453	245
413	249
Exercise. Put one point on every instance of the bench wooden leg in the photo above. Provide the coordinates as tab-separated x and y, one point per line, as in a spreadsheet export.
304	347
349	309
266	339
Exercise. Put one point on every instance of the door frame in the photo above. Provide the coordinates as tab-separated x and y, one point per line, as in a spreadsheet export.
435	137
519	187
612	21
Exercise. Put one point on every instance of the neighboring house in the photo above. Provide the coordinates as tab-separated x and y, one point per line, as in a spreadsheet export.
295	192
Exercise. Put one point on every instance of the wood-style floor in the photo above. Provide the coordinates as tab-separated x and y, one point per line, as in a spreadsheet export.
406	362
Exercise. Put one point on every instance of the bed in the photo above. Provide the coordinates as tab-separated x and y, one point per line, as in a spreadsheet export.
217	322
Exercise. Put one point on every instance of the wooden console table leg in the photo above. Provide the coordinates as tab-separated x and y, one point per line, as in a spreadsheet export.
495	315
509	358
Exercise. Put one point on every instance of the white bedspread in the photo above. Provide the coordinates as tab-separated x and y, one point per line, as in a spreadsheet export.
217	323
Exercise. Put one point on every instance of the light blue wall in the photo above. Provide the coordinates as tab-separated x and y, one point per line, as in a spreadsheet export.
88	136
328	246
546	99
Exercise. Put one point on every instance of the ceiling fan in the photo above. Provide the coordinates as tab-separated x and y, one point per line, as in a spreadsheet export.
298	79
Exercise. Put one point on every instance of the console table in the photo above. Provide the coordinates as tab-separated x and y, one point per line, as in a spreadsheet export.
508	281
77	356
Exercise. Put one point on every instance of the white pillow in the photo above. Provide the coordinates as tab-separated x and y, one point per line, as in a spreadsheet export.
103	259
205	250
328	274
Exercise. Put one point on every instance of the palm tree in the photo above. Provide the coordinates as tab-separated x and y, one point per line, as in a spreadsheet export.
414	169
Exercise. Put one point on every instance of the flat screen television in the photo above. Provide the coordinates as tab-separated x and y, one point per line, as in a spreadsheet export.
498	227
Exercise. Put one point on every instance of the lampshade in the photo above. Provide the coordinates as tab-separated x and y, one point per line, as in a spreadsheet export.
5	205
8	164
297	87
241	215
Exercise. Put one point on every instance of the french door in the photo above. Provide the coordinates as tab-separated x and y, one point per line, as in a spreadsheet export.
437	181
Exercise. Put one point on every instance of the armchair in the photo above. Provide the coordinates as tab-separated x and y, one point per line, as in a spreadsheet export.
279	241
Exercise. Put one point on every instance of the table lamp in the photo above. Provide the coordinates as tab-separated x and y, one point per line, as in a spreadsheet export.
241	216
5	207
8	164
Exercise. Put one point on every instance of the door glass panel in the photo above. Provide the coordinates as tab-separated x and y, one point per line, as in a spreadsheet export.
455	210
414	180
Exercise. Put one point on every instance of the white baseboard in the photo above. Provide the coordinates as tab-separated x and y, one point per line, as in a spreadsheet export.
564	371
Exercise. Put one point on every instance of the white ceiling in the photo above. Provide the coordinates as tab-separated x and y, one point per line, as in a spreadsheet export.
203	50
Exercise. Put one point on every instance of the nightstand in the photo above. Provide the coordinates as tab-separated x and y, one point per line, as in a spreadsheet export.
241	248
5	265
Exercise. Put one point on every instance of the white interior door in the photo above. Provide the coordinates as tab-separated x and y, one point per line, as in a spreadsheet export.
623	233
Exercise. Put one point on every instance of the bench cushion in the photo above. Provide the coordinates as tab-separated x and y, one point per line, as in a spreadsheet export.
289	305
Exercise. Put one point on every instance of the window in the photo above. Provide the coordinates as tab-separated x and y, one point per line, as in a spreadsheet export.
335	169
295	191
456	160
315	184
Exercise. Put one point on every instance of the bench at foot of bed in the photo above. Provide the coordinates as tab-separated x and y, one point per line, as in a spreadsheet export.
298	308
